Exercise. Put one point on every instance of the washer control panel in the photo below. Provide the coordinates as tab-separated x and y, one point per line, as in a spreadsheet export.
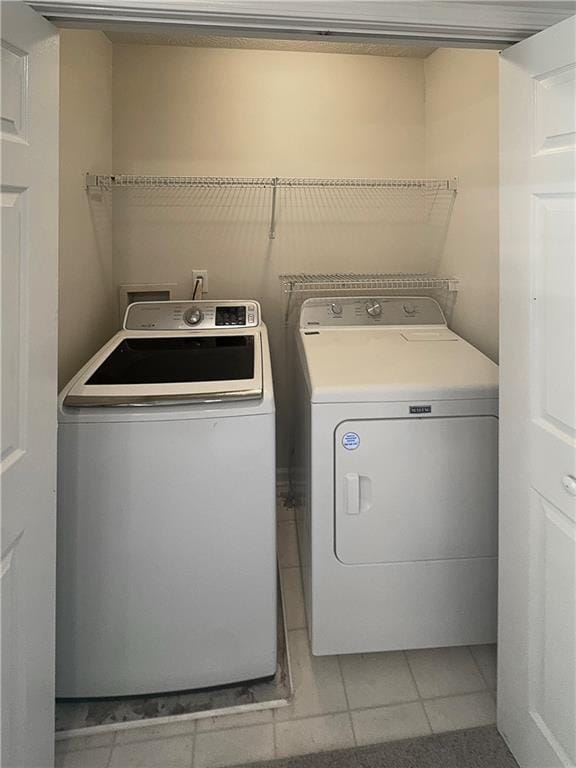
191	315
370	311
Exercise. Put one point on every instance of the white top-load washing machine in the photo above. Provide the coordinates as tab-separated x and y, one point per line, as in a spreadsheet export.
397	451
166	505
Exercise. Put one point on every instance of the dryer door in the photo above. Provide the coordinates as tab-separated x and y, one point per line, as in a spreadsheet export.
416	489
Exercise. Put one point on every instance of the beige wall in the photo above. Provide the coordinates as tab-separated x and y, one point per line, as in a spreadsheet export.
184	111
193	111
87	307
462	138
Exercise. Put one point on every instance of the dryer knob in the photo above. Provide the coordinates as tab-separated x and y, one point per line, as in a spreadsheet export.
193	316
336	308
409	308
374	309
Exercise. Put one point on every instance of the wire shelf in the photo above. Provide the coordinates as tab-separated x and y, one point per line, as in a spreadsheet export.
401	200
423	184
304	283
125	181
113	181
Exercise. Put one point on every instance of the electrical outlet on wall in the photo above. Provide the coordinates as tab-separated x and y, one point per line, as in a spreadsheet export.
200	274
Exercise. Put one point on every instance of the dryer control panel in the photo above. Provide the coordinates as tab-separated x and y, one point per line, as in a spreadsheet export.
371	310
191	315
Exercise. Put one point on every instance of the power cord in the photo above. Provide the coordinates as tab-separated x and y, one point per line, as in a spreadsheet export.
197	283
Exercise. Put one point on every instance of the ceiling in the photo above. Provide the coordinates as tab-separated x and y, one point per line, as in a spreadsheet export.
190	38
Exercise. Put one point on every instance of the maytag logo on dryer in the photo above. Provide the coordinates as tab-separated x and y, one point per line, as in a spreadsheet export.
420	409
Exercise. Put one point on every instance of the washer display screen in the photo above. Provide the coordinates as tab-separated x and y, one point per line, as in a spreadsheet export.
230	315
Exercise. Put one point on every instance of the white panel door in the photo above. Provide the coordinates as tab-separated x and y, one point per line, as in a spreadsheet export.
28	282
537	634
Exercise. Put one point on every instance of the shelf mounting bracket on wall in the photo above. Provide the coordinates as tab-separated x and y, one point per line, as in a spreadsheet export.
272	231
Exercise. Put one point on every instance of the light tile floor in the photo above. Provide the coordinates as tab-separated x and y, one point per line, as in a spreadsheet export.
339	701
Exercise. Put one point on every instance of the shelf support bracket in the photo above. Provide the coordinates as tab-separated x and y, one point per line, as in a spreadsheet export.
272	231
91	180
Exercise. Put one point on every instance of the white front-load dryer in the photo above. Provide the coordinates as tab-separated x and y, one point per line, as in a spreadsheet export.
166	505
397	457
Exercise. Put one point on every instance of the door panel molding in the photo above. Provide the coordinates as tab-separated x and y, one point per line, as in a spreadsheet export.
14	288
551	631
14	120
554	105
553	312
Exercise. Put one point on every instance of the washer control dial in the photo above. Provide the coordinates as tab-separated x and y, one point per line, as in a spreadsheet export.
336	308
374	308
409	309
193	316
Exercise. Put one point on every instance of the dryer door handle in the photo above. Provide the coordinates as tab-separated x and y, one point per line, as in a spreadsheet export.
352	493
357	493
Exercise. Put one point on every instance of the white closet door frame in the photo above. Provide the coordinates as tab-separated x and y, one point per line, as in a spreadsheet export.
449	23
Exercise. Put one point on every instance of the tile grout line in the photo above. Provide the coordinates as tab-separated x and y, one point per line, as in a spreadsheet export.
298	546
305	718
291	524
227	728
348	710
110	752
274	739
193	759
412	675
301	583
420	699
424	700
350	718
285	593
478	667
112	748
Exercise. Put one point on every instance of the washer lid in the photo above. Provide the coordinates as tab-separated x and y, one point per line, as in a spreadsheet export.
382	364
164	368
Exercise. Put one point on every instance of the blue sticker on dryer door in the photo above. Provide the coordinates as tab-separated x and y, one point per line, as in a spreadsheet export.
351	441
